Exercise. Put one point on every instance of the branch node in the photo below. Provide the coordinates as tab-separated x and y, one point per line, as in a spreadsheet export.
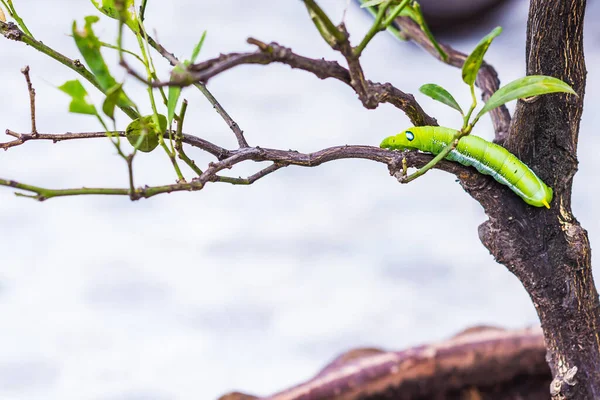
260	44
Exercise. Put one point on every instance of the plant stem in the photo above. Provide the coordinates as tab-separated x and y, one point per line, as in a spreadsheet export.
13	13
179	139
375	28
323	19
14	33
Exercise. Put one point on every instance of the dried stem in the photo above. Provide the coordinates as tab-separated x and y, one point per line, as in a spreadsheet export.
235	128
31	90
219	152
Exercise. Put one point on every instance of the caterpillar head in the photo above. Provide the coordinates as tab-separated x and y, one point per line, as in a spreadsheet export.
408	139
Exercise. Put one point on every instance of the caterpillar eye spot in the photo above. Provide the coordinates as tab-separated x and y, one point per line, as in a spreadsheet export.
410	136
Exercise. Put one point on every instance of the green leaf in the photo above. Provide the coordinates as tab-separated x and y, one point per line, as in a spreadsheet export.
79	103
473	62
113	96
371	3
440	94
143	133
198	47
181	75
527	86
178	73
122	11
89	46
174	92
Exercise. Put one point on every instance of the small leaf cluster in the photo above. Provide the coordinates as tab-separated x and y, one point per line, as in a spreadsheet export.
144	132
406	8
528	86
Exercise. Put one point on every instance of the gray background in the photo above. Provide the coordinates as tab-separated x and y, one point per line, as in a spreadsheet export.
252	288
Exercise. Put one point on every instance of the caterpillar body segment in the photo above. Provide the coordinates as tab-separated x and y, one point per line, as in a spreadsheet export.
488	158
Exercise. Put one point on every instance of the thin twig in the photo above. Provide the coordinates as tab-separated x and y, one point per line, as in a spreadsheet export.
372	95
253	178
380	24
219	152
132	194
179	138
12	32
31	91
170	57
235	128
143	10
280	158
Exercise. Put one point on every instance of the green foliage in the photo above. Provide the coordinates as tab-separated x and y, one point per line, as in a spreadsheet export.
79	103
178	70
14	15
527	86
123	10
89	46
112	98
412	11
440	94
474	60
197	48
143	133
371	3
521	88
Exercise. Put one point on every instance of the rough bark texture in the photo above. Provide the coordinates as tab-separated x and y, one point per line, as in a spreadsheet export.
480	363
548	250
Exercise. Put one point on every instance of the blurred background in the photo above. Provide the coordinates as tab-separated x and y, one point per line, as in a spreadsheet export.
192	295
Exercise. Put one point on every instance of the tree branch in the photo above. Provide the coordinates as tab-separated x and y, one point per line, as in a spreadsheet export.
235	128
371	94
22	138
480	186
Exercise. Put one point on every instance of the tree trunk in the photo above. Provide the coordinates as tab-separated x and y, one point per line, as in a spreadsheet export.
548	250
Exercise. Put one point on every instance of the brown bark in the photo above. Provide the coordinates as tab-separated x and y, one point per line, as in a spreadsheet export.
480	363
548	250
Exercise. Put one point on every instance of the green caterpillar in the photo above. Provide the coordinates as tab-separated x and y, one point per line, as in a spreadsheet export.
488	158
